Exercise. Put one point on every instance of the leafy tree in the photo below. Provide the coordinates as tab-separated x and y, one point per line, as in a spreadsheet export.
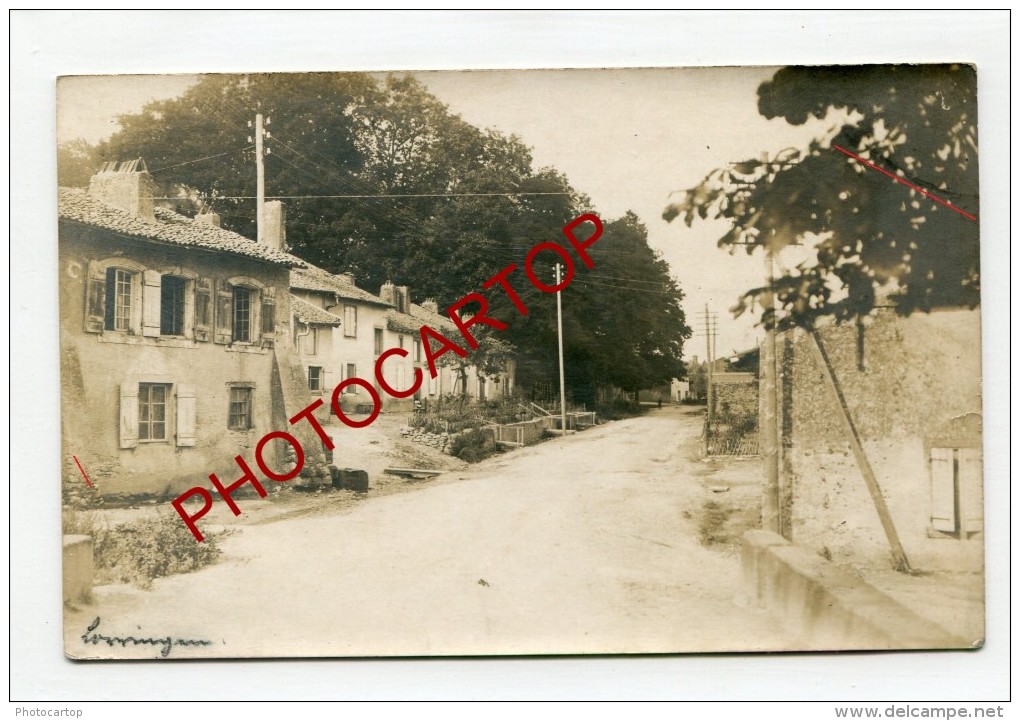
918	122
441	206
623	323
76	163
490	359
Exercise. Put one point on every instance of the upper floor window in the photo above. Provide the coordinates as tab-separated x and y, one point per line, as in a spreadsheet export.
351	321
310	342
242	302
119	293
378	341
171	305
417	350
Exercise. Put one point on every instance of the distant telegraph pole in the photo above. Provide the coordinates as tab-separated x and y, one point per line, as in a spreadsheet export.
710	332
559	335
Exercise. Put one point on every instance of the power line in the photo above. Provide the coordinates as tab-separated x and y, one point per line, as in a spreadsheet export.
367	195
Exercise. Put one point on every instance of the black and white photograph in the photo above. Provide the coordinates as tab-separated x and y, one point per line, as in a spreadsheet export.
521	362
468	356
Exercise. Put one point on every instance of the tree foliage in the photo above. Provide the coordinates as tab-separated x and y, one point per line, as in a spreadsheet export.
428	201
872	235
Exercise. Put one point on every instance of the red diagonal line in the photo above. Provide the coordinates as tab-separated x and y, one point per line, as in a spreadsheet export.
83	471
898	179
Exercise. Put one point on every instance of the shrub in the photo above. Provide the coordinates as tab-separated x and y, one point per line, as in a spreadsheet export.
619	408
473	445
140	551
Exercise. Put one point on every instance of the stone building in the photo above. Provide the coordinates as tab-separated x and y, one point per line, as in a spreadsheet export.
175	352
913	388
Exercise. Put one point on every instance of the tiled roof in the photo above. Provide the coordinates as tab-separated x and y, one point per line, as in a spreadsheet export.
314	278
434	320
169	227
402	322
312	314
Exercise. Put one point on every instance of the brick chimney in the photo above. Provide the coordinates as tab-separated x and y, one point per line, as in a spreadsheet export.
430	304
125	185
403	299
388	292
274	233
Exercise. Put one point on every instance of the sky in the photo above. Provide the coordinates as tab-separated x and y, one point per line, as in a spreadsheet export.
629	139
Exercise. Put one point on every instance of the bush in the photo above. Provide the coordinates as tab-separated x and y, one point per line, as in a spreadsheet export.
140	551
617	409
473	445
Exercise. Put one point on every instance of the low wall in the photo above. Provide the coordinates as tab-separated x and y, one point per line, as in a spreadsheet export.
530	432
78	569
826	607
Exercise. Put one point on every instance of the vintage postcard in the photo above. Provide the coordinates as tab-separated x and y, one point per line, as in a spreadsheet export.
488	363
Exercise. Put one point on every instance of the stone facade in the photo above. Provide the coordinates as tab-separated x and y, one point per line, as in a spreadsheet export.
174	352
913	386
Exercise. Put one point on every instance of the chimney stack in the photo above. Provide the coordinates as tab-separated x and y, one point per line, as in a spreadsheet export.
275	230
388	292
127	186
403	299
430	304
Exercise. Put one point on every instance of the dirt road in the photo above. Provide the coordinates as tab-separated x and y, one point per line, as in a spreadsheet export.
584	544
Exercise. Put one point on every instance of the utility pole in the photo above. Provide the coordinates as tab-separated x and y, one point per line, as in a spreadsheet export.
260	183
770	514
559	334
710	331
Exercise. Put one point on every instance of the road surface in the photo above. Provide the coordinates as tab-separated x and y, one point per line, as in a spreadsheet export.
583	544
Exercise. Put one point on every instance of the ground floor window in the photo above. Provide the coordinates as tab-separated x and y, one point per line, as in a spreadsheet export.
152	403
352	372
240	418
315	378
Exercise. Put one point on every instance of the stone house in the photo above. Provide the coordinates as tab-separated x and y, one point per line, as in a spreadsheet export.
174	352
340	330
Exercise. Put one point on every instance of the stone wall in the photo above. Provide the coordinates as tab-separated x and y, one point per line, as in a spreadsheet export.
903	379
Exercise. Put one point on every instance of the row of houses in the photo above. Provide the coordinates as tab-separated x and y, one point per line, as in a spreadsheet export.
183	343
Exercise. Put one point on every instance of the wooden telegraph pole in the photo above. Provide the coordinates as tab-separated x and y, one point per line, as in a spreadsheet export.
260	167
770	510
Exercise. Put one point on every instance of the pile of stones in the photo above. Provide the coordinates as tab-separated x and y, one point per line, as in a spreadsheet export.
439	441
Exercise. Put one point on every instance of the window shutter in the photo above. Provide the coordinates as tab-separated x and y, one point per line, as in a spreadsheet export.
943	517
150	302
128	415
95	298
268	317
186	407
203	308
970	489
224	315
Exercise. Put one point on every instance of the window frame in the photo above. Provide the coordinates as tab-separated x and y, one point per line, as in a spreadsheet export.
317	388
249	294
145	402
351	372
133	309
379	341
183	285
249	421
350	320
